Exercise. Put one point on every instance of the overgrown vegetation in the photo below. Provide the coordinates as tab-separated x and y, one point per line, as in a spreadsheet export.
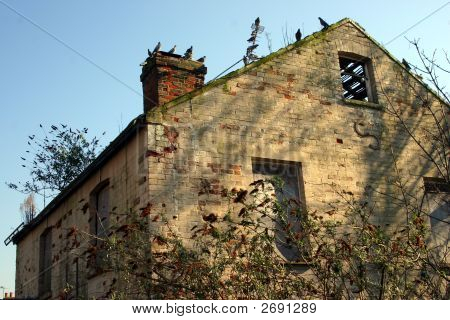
341	254
55	158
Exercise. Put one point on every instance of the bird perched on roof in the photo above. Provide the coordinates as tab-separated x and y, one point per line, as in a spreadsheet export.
324	24
188	54
252	38
257	21
173	49
202	59
245	60
298	35
151	54
158	46
252	47
406	64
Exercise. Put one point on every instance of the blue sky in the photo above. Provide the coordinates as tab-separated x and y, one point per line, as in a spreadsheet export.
43	82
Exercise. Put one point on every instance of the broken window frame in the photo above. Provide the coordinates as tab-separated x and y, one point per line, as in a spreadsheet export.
367	75
435	185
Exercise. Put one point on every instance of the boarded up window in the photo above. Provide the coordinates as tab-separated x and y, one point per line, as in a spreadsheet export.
45	263
291	177
356	78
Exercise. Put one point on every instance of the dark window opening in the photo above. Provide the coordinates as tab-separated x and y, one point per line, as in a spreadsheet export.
356	79
437	203
291	177
102	209
72	279
45	264
99	225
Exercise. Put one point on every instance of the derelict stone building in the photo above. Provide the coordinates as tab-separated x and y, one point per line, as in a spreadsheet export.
315	109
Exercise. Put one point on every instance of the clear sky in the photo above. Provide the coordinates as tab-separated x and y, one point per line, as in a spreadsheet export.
42	81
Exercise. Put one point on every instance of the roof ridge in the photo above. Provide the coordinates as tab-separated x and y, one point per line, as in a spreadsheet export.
239	71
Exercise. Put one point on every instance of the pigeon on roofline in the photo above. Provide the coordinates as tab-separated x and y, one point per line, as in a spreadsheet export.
256	27
324	24
173	49
252	47
406	64
188	54
253	56
245	60
252	38
298	35
151	54
202	59
158	46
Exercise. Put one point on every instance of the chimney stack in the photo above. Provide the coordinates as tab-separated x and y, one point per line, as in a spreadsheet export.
166	76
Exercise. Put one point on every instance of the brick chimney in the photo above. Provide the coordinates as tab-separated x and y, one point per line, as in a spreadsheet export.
166	76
